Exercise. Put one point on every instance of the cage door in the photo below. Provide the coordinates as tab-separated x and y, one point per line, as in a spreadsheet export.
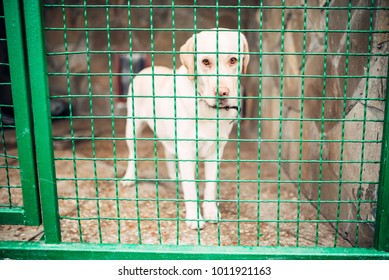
19	199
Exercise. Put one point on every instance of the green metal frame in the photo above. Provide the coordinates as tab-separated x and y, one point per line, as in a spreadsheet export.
29	214
82	251
53	248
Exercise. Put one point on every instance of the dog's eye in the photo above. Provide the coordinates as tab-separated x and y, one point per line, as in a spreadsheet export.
233	60
206	62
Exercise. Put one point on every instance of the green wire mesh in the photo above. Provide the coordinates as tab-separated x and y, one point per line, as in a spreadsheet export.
278	183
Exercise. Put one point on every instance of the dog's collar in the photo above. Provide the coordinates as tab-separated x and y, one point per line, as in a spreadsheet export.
227	108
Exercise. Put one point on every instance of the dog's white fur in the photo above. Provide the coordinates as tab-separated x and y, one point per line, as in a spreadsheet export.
161	107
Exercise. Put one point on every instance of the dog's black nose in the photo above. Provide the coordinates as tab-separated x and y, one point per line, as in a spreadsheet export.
223	91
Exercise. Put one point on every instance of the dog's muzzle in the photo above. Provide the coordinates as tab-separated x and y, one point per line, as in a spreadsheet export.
221	106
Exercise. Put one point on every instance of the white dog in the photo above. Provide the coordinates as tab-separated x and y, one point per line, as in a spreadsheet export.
184	106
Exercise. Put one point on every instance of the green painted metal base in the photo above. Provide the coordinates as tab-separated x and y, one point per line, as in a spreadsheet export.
72	251
13	216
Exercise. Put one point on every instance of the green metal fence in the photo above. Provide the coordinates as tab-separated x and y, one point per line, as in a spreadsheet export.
304	172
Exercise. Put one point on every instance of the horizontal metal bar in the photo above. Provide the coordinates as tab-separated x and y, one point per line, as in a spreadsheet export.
155	29
88	138
240	181
124	96
102	74
78	251
179	219
8	156
263	53
216	119
8	126
10	167
129	199
176	6
11	216
140	159
10	187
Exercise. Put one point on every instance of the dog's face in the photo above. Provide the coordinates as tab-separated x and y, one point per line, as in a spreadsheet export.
220	58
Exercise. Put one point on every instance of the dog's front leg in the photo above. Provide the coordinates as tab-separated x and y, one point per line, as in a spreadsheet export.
194	220
210	206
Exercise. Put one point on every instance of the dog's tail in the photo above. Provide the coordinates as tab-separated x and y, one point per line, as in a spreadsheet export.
128	65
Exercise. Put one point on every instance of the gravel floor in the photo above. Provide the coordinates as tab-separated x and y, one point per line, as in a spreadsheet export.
238	226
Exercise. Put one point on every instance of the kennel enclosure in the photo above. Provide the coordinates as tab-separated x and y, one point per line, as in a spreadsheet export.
305	172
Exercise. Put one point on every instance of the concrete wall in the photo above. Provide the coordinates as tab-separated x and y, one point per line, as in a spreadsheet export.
332	129
312	129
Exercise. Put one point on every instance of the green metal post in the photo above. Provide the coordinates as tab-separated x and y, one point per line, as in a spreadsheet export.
41	109
381	239
22	112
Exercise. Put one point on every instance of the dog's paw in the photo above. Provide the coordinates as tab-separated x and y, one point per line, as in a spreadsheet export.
194	221
127	183
195	224
211	212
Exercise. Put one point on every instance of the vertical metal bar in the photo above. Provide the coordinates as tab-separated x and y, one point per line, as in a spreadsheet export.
73	145
196	120
22	112
280	120
152	46
344	110
381	238
112	108
131	93
218	114
238	127
361	173
175	125
323	122
301	135
41	110
5	156
92	120
8	213
260	86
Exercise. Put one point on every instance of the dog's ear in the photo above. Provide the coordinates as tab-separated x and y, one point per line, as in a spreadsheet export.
246	57
187	57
